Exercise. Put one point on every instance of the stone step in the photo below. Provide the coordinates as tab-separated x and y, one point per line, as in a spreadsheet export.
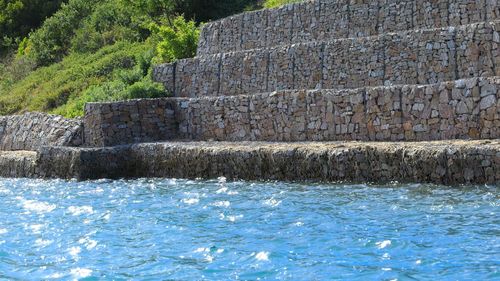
462	109
442	162
332	19
412	57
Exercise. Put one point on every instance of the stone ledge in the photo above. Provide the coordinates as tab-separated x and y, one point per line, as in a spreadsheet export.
440	162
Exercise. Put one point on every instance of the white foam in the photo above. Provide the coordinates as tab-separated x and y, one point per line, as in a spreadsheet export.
383	244
36	206
223	204
3	231
272	202
43	243
36	228
191	201
83	210
262	256
81	272
74	252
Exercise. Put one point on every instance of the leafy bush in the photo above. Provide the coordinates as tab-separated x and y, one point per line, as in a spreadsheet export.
51	42
277	3
19	17
110	22
177	41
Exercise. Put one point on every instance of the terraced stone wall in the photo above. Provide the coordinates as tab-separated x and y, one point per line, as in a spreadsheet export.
31	131
463	109
412	57
331	19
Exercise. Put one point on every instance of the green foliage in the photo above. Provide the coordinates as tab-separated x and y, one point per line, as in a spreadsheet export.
114	72
110	22
177	41
19	17
94	50
277	3
51	42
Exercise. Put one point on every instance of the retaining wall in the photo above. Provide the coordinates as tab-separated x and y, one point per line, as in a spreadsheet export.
444	162
31	131
462	109
413	57
108	124
332	19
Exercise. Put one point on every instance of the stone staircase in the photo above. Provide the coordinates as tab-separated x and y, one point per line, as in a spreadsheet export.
324	70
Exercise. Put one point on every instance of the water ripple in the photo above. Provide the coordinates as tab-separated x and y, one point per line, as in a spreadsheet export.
148	229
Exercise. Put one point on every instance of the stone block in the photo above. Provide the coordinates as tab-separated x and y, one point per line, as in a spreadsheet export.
308	65
353	63
254	29
280	24
396	15
474	50
333	20
384	114
231	74
255	71
349	114
185	81
320	115
207	76
281	67
231	34
237	118
489	108
431	13
363	15
210	38
305	21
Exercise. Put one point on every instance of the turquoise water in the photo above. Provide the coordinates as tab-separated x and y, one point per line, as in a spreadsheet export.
213	230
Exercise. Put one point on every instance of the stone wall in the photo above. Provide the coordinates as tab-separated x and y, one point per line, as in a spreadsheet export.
31	131
444	162
332	19
108	124
463	109
412	57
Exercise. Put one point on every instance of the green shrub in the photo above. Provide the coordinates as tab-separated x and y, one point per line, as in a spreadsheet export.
110	22
177	41
19	17
52	41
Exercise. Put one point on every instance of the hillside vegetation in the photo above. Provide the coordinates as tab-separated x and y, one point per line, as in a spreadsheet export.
57	55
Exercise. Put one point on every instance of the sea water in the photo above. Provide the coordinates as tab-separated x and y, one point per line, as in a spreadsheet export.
167	229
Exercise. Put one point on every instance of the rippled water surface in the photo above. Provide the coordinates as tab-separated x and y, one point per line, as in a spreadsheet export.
212	230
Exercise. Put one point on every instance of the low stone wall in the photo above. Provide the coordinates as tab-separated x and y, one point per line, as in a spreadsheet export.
444	162
463	109
31	131
413	57
108	124
319	19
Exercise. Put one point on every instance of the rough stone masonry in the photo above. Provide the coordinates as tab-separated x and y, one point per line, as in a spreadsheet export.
324	90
